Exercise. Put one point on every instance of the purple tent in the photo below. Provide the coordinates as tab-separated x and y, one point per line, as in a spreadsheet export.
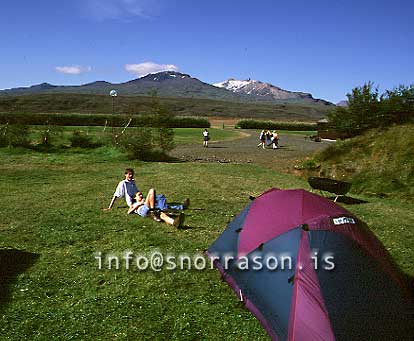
310	270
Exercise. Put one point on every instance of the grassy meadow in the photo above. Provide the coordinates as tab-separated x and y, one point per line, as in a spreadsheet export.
51	211
181	135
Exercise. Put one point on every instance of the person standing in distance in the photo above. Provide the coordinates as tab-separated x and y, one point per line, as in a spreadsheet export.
206	138
275	140
262	138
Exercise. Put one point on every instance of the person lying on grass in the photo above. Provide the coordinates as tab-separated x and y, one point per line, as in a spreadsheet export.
146	207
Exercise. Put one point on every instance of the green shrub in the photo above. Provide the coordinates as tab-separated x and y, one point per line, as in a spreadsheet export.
308	164
147	120
190	122
80	139
14	135
253	124
367	109
138	144
163	119
166	139
49	133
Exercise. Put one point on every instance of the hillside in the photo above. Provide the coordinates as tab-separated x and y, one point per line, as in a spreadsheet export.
380	162
165	84
100	104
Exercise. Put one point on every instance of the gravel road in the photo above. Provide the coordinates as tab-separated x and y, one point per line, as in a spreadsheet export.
245	150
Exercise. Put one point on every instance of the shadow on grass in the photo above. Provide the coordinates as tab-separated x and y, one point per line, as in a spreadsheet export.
56	149
187	227
154	156
349	200
13	263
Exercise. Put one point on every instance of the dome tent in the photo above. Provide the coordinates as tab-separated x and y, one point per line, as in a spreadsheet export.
359	294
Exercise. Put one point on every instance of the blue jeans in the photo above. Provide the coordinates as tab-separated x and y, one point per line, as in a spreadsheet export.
173	206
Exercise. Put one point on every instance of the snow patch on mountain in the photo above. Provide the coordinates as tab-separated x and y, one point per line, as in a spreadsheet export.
257	88
266	91
233	84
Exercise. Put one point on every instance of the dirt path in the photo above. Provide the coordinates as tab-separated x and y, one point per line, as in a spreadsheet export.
245	150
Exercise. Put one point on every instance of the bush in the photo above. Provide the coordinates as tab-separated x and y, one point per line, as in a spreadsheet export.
14	135
49	133
253	124
367	110
156	132
190	122
138	144
162	119
166	139
102	120
308	164
79	139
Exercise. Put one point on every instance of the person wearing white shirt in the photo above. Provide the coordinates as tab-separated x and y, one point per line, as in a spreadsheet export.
126	188
206	138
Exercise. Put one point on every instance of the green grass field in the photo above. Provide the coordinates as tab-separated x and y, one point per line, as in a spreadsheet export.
51	209
181	135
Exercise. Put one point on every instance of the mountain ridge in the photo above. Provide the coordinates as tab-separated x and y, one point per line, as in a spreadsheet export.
170	84
266	90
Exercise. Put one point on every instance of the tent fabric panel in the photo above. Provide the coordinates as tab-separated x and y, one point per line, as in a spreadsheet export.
273	213
249	305
368	242
227	243
270	290
277	211
314	206
362	301
309	319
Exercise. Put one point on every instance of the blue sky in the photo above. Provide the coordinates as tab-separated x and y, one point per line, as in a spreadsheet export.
322	47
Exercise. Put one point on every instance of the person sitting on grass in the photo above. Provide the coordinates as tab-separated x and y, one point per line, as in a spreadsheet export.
146	207
126	188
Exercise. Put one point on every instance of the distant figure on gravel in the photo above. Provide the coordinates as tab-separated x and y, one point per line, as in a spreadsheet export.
262	138
206	137
275	139
268	137
126	188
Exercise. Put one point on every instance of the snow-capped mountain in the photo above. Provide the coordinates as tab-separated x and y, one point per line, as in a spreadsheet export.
176	84
265	90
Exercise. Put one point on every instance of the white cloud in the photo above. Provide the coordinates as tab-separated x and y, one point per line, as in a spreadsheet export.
73	70
143	69
120	9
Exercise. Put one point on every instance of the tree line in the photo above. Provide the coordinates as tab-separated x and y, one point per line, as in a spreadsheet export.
368	109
